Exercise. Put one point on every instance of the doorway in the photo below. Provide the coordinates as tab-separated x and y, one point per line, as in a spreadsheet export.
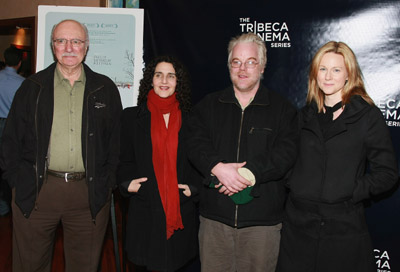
20	33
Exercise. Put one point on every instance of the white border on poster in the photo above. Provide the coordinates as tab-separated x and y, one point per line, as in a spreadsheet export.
116	43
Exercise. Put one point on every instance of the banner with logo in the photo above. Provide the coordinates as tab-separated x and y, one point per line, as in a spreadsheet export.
198	32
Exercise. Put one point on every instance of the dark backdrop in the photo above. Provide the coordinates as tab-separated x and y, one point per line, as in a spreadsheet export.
198	32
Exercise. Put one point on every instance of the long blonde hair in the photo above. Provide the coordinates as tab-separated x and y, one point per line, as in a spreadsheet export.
354	85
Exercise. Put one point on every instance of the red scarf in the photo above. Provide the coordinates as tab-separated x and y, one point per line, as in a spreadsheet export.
165	149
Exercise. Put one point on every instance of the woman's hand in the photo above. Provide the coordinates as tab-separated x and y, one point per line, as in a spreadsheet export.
186	189
135	184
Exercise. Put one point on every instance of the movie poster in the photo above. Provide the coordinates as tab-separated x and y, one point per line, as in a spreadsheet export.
115	48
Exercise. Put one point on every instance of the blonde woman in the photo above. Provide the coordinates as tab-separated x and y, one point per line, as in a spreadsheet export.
342	136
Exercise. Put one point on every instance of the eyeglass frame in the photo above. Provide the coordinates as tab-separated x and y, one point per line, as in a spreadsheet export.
56	42
246	63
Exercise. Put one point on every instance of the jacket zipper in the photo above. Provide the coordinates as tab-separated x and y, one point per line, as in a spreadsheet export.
239	138
238	148
237	160
37	148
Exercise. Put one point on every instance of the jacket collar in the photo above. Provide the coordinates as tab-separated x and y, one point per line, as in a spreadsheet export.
355	109
261	97
143	110
92	82
352	112
143	118
47	76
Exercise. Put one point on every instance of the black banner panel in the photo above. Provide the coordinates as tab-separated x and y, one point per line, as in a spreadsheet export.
198	32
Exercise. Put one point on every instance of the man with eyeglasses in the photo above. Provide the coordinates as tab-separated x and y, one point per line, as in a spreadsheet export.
242	140
60	152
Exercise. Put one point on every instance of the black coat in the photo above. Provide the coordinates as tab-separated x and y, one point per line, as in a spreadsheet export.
26	137
334	170
146	242
325	228
264	135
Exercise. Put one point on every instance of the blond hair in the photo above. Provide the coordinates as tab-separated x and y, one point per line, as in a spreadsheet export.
249	38
354	84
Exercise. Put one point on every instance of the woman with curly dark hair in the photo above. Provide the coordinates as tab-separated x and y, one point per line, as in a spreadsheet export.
155	173
183	84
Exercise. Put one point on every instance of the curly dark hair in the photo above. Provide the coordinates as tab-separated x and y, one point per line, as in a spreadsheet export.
183	90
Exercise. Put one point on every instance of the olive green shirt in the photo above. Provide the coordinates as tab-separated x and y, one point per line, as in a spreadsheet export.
65	148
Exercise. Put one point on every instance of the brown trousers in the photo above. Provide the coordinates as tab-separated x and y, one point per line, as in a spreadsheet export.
33	237
227	249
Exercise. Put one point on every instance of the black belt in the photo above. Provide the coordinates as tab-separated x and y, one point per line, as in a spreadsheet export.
74	176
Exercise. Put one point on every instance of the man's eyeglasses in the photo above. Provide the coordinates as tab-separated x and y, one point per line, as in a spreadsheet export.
248	64
73	42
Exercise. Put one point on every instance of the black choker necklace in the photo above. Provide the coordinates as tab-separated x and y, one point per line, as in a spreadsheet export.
330	110
334	108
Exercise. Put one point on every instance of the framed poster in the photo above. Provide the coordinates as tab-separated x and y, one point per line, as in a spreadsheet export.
115	43
132	4
114	3
120	4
